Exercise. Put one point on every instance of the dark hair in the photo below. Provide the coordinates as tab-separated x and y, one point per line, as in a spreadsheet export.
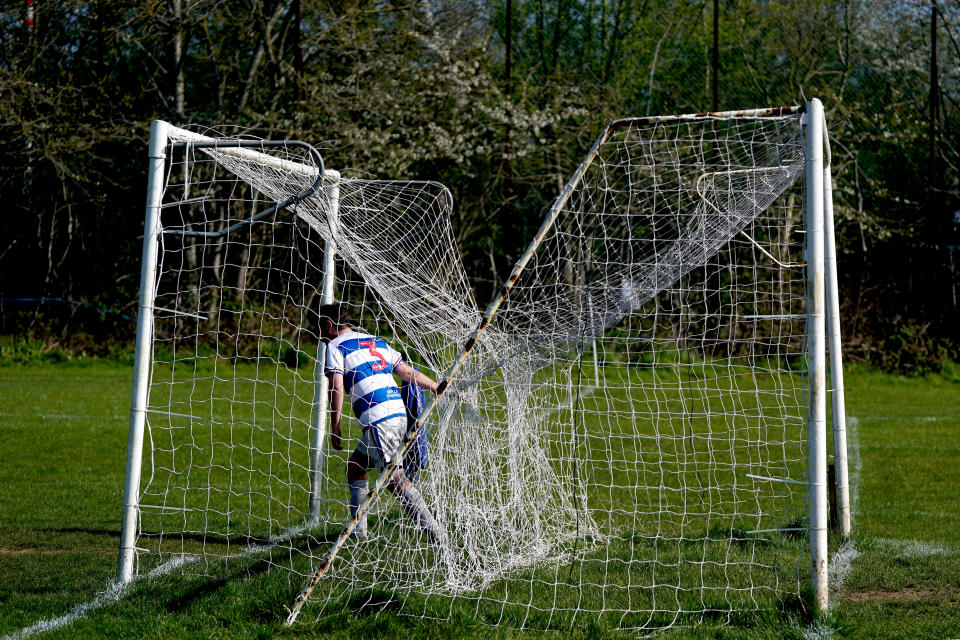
337	313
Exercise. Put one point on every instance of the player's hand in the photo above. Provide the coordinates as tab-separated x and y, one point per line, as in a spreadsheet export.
335	439
452	391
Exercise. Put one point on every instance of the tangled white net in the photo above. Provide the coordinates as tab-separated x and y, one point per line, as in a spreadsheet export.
630	422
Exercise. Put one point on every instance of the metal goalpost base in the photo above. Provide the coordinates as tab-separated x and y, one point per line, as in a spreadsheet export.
160	134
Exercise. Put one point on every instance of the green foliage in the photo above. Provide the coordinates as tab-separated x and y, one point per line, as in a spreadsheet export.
421	90
913	351
22	350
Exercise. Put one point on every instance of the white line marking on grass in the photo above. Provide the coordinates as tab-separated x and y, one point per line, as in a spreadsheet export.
915	548
61	416
112	594
854	464
80	416
817	631
116	591
173	564
909	418
840	566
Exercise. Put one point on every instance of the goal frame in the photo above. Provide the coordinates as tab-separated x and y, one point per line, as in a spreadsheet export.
823	331
161	133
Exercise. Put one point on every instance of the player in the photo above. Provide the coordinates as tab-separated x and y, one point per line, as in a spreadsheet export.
363	366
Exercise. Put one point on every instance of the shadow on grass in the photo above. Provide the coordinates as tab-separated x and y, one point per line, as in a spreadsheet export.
374	602
788	612
107	533
238	569
378	611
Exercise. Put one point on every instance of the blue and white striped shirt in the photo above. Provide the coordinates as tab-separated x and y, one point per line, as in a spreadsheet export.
366	363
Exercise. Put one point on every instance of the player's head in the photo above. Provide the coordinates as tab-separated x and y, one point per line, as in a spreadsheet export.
334	318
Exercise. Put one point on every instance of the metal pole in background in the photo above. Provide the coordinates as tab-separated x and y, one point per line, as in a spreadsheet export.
321	397
837	400
816	356
934	128
715	77
143	353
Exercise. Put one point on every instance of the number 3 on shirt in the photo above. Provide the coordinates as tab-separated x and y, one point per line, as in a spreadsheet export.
371	347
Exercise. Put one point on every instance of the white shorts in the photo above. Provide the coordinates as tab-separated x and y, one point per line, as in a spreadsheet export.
380	443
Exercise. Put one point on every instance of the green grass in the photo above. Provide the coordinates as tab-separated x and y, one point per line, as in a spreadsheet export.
906	581
63	434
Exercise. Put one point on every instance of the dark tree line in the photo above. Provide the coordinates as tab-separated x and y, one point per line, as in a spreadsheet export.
429	89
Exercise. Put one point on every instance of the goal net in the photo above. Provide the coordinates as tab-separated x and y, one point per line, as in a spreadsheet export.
628	440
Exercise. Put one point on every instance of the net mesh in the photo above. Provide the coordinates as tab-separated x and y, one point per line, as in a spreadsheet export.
627	429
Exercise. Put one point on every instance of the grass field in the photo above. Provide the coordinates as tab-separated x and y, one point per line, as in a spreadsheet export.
62	450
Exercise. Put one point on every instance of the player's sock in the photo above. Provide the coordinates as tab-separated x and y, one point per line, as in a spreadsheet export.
416	508
358	493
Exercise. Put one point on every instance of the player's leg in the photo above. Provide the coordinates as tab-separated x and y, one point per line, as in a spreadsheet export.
357	466
413	503
389	435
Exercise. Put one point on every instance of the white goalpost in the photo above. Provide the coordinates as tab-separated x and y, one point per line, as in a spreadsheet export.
639	434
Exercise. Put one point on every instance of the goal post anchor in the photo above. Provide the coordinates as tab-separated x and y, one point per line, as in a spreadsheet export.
143	351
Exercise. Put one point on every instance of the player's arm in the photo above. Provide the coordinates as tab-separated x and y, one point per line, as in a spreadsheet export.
336	407
411	375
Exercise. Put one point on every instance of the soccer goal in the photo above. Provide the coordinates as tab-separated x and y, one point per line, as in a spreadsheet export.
639	431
